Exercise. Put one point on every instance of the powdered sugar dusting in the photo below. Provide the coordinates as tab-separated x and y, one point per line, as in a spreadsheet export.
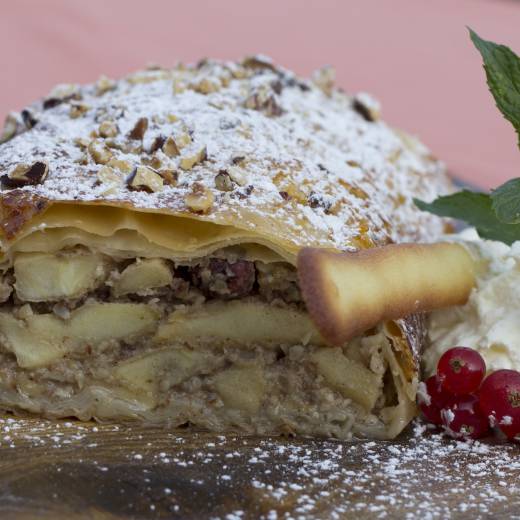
309	159
145	472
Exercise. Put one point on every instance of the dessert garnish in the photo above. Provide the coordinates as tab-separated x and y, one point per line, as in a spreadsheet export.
343	291
462	418
432	400
466	404
458	397
25	175
500	400
494	215
461	370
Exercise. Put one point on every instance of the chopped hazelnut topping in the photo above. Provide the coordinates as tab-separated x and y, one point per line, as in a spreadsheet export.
206	86
238	71
64	91
61	93
189	161
108	129
158	119
277	86
223	181
170	147
292	81
154	66
238	175
244	193
29	119
108	175
263	100
169	177
140	128
178	86
200	199
154	162
258	62
104	84
123	146
99	152
121	165
238	160
225	80
51	103
182	140
81	142
26	175
78	110
318	201
203	62
324	79
158	143
135	124
144	178
294	192
367	107
12	127
144	77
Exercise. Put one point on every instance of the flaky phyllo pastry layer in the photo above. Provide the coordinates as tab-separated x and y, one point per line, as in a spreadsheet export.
150	230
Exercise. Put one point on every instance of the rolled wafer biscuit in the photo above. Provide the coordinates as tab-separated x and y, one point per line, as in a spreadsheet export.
348	293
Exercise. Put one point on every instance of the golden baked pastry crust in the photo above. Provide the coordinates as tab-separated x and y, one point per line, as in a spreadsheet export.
315	172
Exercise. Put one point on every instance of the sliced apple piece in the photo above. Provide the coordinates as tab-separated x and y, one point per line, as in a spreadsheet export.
349	377
32	349
141	373
142	275
43	277
47	326
41	339
242	388
102	321
241	322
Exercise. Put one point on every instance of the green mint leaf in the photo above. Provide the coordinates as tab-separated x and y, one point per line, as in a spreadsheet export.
506	201
502	68
476	209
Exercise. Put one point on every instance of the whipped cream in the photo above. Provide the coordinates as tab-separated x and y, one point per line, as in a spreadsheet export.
490	320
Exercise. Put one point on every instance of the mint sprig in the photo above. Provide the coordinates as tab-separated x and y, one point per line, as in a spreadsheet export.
476	209
495	215
502	68
506	201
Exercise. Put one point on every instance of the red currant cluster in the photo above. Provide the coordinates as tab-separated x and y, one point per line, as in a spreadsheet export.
466	405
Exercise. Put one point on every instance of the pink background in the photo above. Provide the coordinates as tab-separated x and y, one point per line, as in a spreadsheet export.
414	55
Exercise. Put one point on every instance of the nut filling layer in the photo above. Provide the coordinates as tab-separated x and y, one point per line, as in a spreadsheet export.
221	342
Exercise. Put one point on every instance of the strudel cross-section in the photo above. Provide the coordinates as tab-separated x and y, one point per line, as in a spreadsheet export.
149	233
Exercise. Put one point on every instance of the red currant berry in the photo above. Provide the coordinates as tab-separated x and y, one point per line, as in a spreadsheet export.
461	370
431	400
463	418
500	398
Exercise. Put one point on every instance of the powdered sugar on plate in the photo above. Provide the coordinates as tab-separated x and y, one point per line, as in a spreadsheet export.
154	473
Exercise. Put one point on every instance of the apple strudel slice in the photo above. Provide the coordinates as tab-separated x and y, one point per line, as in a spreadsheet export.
149	234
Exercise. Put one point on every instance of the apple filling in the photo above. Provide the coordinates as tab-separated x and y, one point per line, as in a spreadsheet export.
222	343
